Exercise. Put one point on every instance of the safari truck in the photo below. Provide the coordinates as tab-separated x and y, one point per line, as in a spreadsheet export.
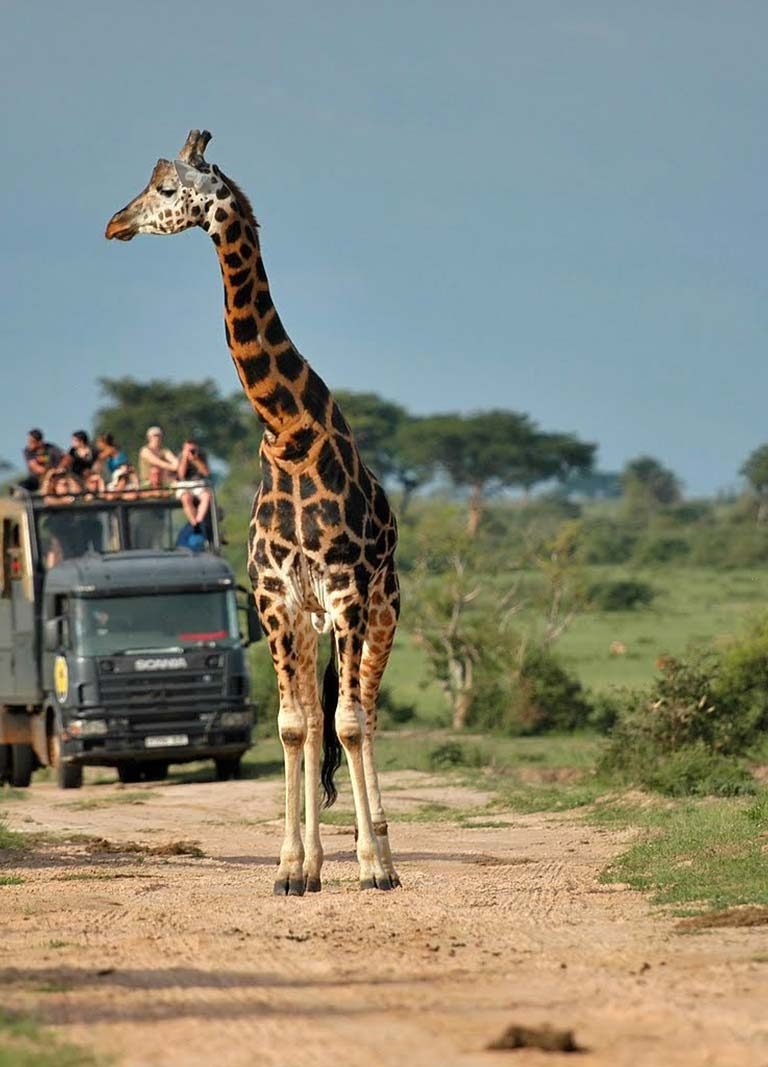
117	647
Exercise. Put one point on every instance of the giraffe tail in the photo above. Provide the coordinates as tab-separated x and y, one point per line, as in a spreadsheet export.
331	743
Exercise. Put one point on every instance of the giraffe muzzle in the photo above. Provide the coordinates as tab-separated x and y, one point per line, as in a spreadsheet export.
120	228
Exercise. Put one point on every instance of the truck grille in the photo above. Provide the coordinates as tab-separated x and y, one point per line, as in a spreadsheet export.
161	687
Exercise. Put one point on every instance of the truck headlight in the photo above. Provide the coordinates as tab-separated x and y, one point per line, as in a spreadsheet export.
235	718
87	728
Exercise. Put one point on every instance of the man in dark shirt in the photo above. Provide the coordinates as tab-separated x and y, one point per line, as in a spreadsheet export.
40	457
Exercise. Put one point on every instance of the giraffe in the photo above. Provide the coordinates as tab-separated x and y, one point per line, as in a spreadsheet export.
322	536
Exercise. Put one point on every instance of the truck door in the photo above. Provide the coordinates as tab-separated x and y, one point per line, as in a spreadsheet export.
19	673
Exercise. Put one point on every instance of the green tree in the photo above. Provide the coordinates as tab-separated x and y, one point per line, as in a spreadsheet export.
755	470
556	455
481	453
491	450
181	408
648	485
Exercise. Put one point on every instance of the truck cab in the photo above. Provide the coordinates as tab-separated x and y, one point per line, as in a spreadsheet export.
118	647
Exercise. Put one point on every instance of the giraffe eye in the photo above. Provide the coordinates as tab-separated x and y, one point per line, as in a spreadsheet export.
166	191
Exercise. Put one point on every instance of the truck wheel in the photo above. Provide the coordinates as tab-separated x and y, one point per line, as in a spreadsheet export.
22	765
69	776
129	773
5	764
154	771
227	767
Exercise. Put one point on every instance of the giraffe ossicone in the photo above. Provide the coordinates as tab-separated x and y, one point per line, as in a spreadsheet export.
322	536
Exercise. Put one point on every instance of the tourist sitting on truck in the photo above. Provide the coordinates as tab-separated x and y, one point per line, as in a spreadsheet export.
40	456
81	456
110	457
125	482
93	484
193	469
60	487
155	457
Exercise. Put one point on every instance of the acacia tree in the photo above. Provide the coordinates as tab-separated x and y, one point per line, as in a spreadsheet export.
755	470
556	456
491	450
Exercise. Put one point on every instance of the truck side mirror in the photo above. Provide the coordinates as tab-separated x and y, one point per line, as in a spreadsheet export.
254	624
252	621
52	634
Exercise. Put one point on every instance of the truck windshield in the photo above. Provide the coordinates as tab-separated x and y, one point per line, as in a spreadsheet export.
107	626
66	532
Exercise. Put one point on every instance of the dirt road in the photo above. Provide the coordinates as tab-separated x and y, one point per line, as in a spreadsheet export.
157	959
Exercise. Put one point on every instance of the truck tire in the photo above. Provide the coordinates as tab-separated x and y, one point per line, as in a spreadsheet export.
227	767
129	773
69	776
154	770
22	765
5	764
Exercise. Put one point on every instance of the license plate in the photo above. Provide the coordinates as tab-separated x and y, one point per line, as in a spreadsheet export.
166	741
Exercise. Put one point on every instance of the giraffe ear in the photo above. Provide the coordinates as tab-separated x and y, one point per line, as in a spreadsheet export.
193	151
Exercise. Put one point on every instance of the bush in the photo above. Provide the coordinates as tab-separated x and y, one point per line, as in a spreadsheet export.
539	697
693	770
623	594
606	709
685	735
661	550
605	541
453	754
729	546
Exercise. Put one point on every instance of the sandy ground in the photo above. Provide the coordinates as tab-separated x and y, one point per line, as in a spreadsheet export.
171	960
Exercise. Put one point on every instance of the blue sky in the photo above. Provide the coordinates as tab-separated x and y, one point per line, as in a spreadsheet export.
556	207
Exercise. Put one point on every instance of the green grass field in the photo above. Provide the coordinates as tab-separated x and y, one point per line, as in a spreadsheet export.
693	606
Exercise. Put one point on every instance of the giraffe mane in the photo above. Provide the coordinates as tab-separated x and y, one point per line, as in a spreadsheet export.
242	199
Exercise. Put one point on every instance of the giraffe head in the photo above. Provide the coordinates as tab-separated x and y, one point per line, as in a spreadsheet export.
179	194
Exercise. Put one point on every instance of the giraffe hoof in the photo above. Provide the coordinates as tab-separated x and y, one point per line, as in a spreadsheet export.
314	885
288	887
377	883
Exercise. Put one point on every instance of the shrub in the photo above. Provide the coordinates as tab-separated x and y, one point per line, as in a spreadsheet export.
661	550
606	709
537	697
605	541
454	754
702	713
623	594
696	771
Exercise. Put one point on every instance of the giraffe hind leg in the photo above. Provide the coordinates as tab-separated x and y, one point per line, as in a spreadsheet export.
349	627
306	650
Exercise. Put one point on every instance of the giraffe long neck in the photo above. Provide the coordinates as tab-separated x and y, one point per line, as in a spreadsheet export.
283	389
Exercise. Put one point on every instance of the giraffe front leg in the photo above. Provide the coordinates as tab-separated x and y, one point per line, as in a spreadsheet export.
291	721
380	634
350	728
306	641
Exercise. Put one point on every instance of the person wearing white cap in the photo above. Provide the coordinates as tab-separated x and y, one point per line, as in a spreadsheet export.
155	458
